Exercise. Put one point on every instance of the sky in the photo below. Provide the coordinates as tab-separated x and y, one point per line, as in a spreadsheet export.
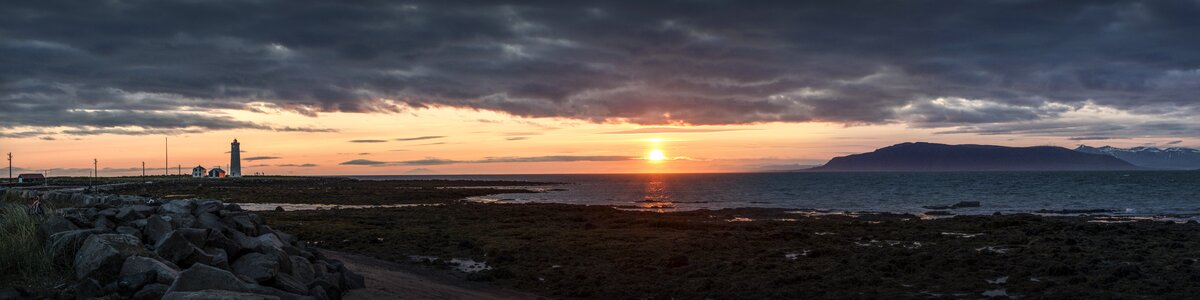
481	87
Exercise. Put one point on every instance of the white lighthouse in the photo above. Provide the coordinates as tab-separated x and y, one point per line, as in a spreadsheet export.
235	159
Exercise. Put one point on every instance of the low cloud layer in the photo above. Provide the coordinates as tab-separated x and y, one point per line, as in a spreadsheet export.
152	67
419	138
438	161
254	158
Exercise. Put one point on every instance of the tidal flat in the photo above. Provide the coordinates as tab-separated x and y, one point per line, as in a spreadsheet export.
598	252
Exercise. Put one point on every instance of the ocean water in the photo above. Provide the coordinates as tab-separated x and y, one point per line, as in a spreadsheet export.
1125	193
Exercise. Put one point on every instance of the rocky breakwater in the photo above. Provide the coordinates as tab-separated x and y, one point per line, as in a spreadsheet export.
185	249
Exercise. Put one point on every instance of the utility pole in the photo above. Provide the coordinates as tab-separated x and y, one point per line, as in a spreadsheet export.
10	166
143	169
179	169
166	157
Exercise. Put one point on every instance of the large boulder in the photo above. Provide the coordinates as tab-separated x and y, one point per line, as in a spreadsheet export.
176	248
64	245
257	266
54	224
157	228
290	284
210	221
302	269
128	214
203	277
103	255
138	264
216	295
151	292
183	207
207	206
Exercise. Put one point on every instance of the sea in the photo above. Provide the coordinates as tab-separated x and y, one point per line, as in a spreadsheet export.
1134	193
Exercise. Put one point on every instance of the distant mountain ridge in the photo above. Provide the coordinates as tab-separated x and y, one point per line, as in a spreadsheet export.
921	156
1175	158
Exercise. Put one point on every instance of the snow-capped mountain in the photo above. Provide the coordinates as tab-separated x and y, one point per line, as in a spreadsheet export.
1150	157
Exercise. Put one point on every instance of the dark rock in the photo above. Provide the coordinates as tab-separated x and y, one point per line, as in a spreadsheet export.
207	206
352	280
102	256
232	207
219	258
302	269
87	289
54	224
157	229
271	241
64	245
152	291
138	264
279	208
259	267
127	214
290	284
203	277
130	231
210	221
216	295
182	221
127	285
183	207
176	248
104	223
219	240
196	236
318	293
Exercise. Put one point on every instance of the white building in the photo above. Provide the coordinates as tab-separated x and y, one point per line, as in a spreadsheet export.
216	172
198	172
235	159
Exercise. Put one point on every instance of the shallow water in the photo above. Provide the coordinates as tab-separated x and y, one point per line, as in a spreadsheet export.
292	207
1128	193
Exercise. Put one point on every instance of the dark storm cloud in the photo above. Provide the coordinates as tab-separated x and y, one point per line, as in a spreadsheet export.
430	137
438	161
164	64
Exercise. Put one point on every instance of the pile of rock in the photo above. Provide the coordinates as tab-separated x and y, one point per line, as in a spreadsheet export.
186	249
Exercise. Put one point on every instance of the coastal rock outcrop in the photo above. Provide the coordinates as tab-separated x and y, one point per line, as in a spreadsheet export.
130	247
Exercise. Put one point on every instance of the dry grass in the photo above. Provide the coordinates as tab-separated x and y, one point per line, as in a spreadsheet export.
23	259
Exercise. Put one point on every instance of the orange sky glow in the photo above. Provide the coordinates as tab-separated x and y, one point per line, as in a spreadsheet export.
462	141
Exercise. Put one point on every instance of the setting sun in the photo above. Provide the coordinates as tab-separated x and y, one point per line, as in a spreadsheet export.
656	155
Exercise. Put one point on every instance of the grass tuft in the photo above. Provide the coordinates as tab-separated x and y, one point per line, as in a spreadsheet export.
23	259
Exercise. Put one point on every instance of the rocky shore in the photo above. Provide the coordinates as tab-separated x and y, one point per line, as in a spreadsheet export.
132	247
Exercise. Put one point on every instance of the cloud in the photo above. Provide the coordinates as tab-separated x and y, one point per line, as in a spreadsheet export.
430	137
432	161
254	158
929	64
648	130
431	144
516	138
1093	138
368	141
303	129
297	165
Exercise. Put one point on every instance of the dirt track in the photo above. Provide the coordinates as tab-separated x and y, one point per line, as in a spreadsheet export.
388	280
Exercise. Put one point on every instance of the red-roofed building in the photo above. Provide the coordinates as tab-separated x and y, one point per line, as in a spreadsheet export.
31	178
